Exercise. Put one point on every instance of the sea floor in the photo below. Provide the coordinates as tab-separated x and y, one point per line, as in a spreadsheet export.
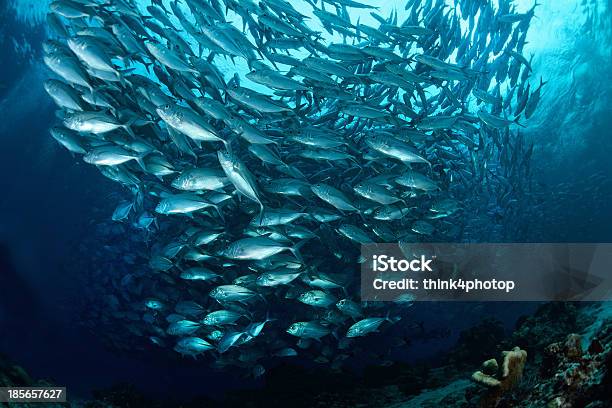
559	357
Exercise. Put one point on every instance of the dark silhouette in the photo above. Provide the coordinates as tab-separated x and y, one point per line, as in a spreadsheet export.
18	303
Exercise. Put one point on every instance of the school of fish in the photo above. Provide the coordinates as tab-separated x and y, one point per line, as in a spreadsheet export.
252	193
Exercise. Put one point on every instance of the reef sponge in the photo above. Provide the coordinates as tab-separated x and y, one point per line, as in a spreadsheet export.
486	379
512	371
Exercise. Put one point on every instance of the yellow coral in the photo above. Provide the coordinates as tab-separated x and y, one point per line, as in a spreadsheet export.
485	379
490	366
512	368
512	371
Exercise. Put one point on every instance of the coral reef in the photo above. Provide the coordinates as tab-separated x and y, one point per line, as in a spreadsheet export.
573	377
564	369
512	372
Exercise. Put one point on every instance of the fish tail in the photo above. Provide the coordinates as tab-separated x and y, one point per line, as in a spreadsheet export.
216	207
335	334
516	120
140	160
261	210
295	250
228	145
128	129
268	318
387	318
392	319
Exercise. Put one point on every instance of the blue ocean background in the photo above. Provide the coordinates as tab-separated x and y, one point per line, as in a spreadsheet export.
52	203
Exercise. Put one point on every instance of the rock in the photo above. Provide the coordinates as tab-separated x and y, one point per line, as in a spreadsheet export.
573	346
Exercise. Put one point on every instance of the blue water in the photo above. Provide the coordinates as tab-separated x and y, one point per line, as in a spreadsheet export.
50	202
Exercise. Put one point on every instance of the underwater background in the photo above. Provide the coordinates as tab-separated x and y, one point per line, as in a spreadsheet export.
55	224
